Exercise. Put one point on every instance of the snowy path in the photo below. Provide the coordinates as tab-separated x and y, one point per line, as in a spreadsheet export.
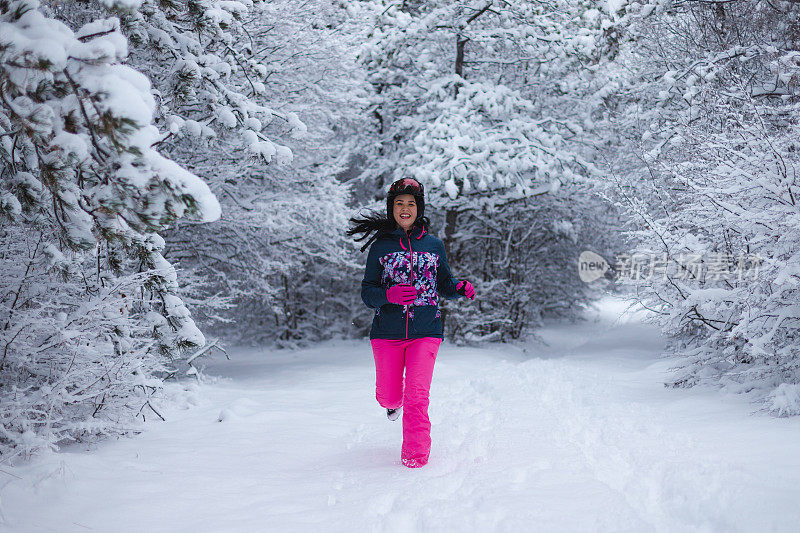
576	436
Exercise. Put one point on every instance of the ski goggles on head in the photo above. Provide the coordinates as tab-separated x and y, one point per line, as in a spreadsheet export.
402	185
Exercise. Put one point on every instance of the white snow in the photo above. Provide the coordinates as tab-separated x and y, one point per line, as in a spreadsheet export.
575	435
299	129
122	4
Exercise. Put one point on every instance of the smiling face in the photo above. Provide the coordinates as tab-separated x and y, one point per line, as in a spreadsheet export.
405	211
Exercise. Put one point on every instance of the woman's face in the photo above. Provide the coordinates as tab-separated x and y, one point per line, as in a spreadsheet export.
405	211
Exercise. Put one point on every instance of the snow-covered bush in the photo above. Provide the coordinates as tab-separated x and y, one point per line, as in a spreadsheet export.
89	307
710	180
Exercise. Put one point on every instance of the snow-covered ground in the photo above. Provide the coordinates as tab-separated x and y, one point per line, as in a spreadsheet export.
577	435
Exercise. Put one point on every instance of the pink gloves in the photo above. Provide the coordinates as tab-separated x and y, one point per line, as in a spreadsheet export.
401	294
405	294
466	288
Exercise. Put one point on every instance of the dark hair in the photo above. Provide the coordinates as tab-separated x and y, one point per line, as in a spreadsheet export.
365	225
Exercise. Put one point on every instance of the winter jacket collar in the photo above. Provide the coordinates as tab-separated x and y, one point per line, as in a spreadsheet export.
416	232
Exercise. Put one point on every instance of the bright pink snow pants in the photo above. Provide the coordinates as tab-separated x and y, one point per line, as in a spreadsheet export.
417	357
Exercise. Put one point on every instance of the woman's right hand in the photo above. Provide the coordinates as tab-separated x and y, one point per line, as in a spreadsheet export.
403	294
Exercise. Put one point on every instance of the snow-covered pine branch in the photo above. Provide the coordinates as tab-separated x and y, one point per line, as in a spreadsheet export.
88	303
232	81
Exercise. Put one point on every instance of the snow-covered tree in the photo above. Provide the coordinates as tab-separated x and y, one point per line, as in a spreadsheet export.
489	103
89	307
710	108
233	80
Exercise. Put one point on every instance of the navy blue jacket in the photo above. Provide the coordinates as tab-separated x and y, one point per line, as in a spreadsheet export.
389	263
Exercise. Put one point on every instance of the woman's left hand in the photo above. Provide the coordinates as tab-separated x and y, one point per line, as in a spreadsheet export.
465	288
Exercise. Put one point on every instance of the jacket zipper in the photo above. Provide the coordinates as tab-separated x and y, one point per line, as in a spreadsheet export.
410	262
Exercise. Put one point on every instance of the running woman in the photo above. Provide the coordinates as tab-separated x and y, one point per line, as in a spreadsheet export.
405	274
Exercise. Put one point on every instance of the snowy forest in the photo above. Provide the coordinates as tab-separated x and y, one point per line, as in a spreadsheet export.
178	177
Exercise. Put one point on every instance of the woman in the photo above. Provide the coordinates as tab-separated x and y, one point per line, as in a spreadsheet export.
405	274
